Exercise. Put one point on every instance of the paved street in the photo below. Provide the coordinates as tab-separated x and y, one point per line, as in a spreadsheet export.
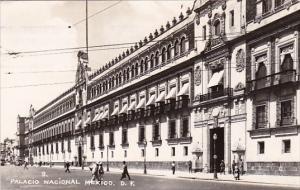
13	176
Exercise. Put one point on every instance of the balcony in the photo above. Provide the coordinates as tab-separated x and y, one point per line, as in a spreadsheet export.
150	111
140	113
159	108
113	120
183	103
111	145
156	141
216	94
122	118
101	146
125	144
184	139
279	78
130	116
170	105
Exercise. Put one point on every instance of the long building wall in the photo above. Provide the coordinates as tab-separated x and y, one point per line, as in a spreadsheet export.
202	75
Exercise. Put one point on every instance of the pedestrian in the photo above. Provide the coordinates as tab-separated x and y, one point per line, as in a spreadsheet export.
25	165
173	167
101	171
68	167
222	167
125	171
236	173
242	167
190	166
233	166
95	176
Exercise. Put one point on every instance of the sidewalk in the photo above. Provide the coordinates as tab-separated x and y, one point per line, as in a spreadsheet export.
291	181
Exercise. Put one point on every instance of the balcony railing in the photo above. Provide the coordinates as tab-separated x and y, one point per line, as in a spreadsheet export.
150	111
170	105
183	102
282	77
156	140
122	118
159	108
140	113
131	114
216	94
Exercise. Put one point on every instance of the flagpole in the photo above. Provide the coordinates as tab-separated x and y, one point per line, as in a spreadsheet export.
86	28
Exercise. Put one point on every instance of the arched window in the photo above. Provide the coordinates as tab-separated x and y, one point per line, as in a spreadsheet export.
136	69
156	58
142	66
182	45
261	76
132	71
120	78
109	83
146	64
100	88
176	48
127	73
217	28
163	55
124	75
152	61
169	52
113	82
117	79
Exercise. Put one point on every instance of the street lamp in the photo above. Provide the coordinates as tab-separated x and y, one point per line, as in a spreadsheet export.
215	156
107	164
145	144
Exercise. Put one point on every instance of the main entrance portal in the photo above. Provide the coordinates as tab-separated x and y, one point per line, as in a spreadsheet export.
219	148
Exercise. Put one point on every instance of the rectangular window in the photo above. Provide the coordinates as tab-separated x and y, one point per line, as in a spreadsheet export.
125	153
124	136
143	152
173	151
69	145
101	154
185	150
62	146
286	112
111	139
155	129
52	151
101	142
112	154
172	129
261	147
204	32
260	116
232	18
184	130
56	147
286	146
142	134
156	152
92	142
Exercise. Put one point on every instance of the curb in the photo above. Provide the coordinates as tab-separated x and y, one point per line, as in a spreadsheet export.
190	178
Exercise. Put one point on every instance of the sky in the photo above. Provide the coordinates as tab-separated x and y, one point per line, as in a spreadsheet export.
44	25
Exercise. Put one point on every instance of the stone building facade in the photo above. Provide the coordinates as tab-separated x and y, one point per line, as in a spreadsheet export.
204	84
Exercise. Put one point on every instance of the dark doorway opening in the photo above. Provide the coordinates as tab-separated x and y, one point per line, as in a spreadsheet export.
219	151
79	155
